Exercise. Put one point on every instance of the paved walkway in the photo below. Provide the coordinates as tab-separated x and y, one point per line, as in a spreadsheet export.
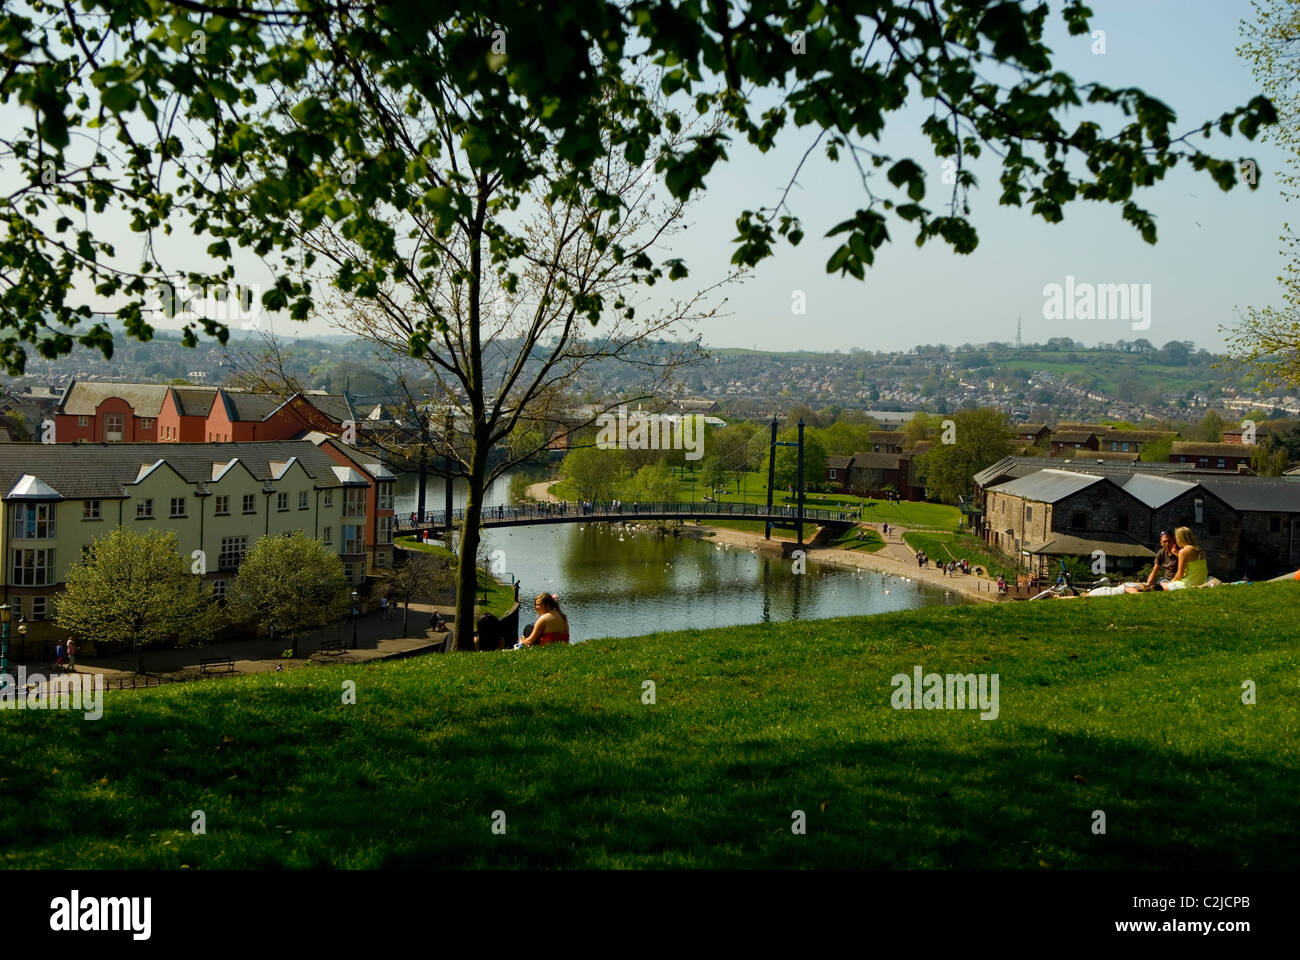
377	639
542	491
896	559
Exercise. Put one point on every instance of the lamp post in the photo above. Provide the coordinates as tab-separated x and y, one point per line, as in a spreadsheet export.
355	597
4	645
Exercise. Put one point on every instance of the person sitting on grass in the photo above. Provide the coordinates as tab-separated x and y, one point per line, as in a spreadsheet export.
1193	570
551	627
1165	565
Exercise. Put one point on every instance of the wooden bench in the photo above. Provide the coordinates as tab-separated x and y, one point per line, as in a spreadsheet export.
332	645
226	664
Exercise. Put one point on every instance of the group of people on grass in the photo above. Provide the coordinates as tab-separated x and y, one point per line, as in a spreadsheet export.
1180	563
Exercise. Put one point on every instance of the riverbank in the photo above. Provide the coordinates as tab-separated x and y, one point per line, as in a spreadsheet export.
894	560
1097	710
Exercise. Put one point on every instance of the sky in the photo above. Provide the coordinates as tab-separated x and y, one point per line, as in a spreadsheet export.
1217	252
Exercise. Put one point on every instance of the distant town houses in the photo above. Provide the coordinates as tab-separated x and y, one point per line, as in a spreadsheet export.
58	498
158	413
1222	456
1038	510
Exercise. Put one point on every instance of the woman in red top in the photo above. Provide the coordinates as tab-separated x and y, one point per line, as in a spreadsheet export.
551	626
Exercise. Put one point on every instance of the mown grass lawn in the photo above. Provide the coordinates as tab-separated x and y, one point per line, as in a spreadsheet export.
942	547
1127	705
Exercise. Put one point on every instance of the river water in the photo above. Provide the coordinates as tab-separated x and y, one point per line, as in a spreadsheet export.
613	581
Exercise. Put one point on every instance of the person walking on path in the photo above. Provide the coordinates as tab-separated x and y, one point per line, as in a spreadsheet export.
72	655
383	607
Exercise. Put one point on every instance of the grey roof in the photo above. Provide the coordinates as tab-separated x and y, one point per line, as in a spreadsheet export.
104	470
82	398
373	465
1256	494
838	463
1073	436
194	401
1014	466
1048	486
336	407
876	461
1192	449
249	406
1068	545
1156	491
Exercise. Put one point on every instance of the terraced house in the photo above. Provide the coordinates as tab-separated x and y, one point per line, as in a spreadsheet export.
216	497
150	412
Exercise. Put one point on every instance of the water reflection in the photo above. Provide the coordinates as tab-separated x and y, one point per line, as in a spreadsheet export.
613	581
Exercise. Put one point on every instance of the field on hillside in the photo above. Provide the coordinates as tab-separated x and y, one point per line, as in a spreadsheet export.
1127	706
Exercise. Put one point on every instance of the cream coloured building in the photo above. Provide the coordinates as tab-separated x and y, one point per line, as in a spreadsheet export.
217	497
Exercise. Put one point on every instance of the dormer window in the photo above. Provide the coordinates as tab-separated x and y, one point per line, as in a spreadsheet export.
33	521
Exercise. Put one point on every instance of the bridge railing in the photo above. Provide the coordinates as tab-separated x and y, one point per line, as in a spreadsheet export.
608	510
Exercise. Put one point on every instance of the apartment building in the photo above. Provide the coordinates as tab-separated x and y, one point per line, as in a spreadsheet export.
148	412
219	498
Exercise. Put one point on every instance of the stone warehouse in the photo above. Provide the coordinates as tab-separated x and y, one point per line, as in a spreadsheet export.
1247	525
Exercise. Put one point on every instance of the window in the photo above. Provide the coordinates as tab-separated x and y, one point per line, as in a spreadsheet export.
33	521
146	423
386	495
327	537
1198	507
113	427
281	502
1205	461
1114	445
219	591
1274	524
83	421
250	503
144	509
1079	520
232	552
1182	459
354	502
33	568
90	510
223	505
302	499
1221	463
38	608
329	498
1126	447
352	539
384	534
178	507
1029	514
831	473
348	573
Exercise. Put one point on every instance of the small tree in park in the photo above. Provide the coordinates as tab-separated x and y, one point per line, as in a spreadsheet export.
289	583
135	588
415	575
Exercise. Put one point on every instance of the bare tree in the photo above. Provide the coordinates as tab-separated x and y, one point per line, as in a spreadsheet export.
509	299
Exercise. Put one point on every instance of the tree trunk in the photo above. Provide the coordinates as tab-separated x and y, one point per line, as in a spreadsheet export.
406	616
466	569
139	657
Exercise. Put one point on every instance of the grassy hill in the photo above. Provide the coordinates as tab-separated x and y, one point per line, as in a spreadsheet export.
1128	705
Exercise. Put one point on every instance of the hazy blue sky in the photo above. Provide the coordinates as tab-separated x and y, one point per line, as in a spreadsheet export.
1216	251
